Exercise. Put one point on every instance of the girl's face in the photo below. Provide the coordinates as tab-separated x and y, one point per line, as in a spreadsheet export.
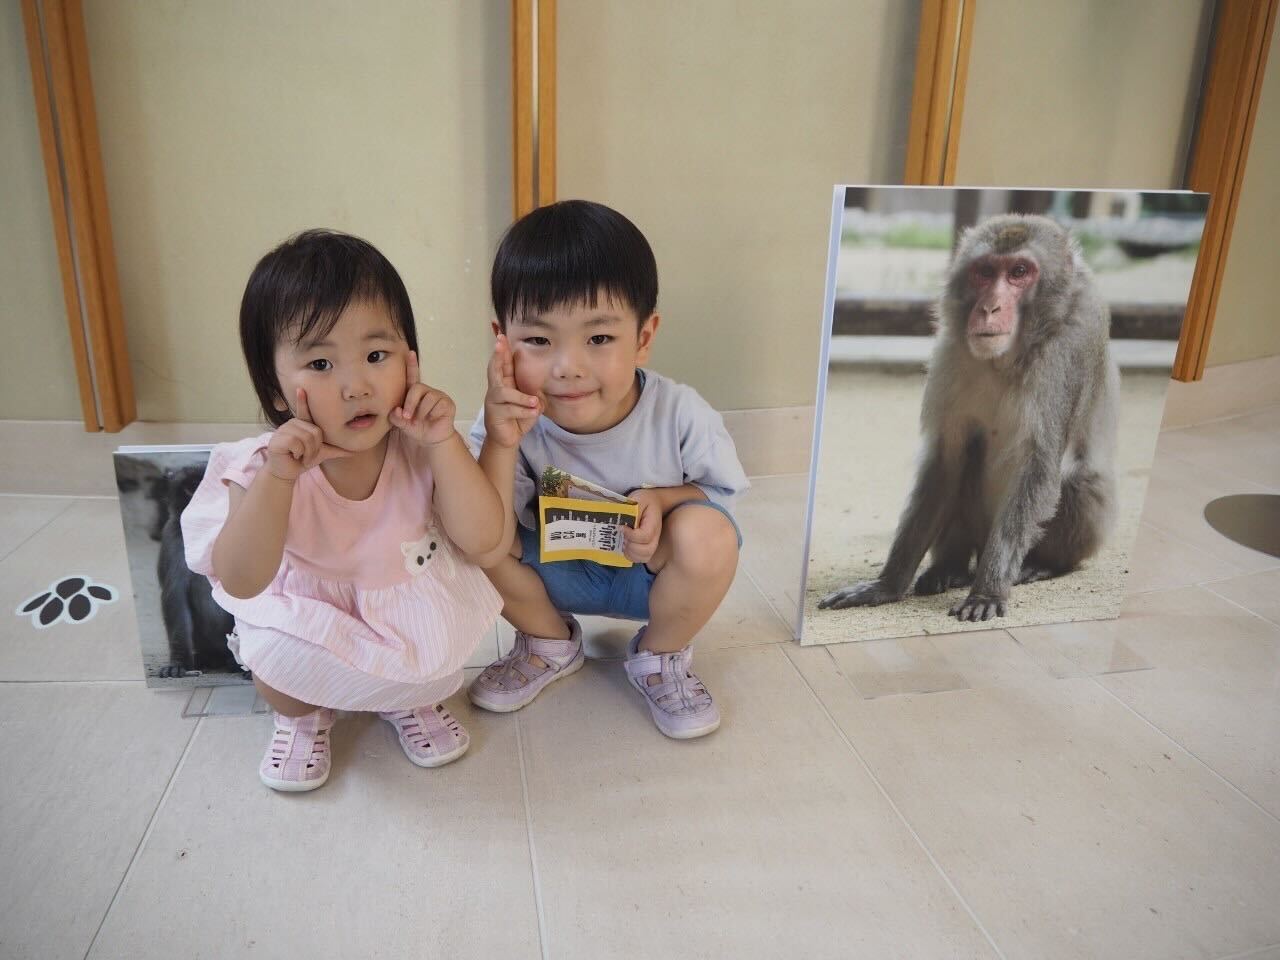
353	376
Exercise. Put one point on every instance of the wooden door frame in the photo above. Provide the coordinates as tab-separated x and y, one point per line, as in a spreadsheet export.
58	53
533	103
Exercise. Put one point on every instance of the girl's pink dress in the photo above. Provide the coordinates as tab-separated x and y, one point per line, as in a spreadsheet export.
372	608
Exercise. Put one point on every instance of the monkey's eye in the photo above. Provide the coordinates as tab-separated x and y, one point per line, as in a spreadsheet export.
1019	271
986	271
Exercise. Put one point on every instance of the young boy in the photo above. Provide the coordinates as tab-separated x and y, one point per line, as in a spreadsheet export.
574	289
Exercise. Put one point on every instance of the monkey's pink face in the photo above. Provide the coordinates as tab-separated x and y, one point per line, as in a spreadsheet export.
998	284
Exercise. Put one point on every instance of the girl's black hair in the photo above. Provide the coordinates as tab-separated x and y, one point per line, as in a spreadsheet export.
568	253
300	289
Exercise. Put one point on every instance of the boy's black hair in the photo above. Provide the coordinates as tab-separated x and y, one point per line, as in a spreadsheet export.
300	289
567	253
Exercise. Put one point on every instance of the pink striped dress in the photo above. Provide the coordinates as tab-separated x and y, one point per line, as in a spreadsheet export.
372	607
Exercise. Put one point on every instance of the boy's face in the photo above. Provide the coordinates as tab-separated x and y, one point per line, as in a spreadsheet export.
354	376
582	361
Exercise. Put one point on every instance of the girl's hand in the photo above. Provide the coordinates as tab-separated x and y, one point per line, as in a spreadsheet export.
508	413
299	445
641	543
426	416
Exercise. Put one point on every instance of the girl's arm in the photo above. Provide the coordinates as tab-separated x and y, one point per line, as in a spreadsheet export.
246	555
466	503
499	465
472	499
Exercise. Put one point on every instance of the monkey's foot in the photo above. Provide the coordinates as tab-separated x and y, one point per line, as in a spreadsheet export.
869	593
976	607
940	580
1031	572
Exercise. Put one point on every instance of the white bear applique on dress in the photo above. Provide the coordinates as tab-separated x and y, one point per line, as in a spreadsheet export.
431	553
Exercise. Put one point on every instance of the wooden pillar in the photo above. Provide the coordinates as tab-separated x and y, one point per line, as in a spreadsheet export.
533	72
59	57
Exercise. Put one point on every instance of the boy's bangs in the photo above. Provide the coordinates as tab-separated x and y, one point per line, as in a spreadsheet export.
533	298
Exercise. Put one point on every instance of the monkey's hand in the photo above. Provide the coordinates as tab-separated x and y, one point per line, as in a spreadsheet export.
868	593
977	607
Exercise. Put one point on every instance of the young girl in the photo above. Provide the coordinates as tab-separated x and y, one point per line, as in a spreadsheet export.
343	541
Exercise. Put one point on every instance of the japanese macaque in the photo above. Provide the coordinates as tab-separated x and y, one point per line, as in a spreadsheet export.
1018	423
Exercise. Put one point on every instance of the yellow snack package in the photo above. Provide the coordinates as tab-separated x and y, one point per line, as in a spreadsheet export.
581	520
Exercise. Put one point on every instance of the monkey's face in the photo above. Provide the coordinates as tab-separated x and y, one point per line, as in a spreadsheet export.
1000	286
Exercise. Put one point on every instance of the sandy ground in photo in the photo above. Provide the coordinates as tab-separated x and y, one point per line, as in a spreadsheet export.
870	437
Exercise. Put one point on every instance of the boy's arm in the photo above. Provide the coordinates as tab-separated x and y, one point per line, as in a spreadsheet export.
666	498
508	415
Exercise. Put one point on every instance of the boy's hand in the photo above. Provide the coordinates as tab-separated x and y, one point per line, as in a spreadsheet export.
508	413
641	543
426	416
299	445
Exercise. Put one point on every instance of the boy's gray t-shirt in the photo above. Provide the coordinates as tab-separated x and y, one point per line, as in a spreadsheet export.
671	437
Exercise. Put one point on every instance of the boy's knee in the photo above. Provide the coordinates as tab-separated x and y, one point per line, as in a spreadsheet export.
703	540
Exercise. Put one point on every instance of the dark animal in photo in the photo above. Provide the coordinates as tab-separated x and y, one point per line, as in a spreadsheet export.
197	627
1018	423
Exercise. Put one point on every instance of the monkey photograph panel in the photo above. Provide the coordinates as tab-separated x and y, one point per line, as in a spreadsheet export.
995	365
181	630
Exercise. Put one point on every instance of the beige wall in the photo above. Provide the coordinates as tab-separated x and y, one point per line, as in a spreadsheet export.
720	127
1085	94
37	374
228	126
1247	323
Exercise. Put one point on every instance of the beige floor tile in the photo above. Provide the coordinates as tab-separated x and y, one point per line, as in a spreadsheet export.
1266	953
1259	592
22	517
83	768
744	618
1213	683
487	650
766	839
1176	498
956	661
771	515
1242	446
1162	561
1198	667
386	859
1071	827
84	539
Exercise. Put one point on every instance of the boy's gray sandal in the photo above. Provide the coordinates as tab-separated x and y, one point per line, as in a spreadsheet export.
681	706
512	682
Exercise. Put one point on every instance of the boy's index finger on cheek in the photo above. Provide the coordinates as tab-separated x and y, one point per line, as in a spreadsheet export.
495	371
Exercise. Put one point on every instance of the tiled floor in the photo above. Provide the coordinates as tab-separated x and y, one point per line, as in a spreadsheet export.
1089	790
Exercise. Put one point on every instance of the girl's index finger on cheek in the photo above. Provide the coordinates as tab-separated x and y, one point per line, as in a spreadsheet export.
302	411
411	373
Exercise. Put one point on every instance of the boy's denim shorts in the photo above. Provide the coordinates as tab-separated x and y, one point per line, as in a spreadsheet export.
580	586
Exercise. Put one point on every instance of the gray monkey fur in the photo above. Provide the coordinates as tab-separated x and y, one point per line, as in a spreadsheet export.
1018	453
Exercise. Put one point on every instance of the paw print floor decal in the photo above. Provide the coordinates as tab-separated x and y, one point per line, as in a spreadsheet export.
72	599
